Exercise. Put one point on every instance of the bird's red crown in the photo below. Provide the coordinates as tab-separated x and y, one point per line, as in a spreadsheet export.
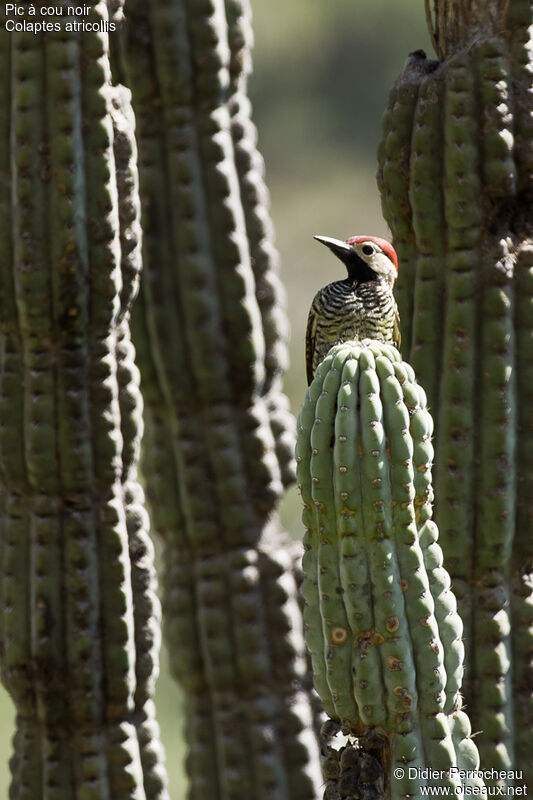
386	246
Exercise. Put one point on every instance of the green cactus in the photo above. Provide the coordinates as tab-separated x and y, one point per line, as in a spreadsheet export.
394	150
381	621
79	630
211	336
264	259
472	241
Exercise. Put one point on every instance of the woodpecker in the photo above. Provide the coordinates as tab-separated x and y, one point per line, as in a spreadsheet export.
361	306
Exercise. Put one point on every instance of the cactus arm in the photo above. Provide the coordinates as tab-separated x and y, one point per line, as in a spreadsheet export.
483	399
154	319
75	638
371	452
211	400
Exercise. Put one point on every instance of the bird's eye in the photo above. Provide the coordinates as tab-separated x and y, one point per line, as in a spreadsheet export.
367	249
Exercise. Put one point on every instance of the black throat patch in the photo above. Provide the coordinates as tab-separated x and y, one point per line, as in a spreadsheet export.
358	270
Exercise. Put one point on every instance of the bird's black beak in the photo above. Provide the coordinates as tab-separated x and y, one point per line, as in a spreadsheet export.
340	249
358	269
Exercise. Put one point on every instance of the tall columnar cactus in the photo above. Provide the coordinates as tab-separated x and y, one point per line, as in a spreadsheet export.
79	624
381	621
264	259
456	171
210	333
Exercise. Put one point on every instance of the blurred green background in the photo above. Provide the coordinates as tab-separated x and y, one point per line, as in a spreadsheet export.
323	69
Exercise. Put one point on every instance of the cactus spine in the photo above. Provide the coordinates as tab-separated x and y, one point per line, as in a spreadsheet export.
210	333
476	235
381	621
78	587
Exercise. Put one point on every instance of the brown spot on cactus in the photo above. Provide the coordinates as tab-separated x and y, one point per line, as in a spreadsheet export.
367	639
407	699
394	664
348	512
339	635
392	624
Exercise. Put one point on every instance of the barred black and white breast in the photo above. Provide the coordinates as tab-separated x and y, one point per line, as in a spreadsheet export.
362	306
